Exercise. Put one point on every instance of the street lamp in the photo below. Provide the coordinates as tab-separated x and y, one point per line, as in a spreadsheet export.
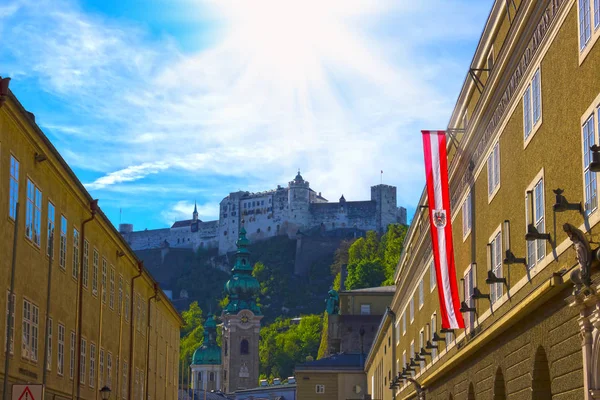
105	393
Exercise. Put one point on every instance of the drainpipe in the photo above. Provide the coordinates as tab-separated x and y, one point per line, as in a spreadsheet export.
93	209
154	297
393	327
11	304
48	291
140	266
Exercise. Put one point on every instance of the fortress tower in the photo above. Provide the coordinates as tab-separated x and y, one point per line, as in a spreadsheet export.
299	200
241	323
386	209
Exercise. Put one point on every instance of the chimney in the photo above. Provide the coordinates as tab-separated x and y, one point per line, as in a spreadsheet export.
343	276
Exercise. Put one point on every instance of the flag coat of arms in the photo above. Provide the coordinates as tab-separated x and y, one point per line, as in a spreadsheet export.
436	171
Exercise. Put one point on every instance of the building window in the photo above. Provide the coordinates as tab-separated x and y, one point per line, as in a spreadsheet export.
10	313
92	364
421	293
365	309
104	272
60	355
111	297
496	259
14	187
82	361
75	272
412	308
466	216
449	339
120	296
95	272
101	367
433	329
49	346
127	303
422	346
244	347
320	389
211	377
29	345
62	259
33	213
72	360
86	263
51	223
591	188
585	30
469	283
536	250
432	276
109	370
493	169
404	323
124	380
532	104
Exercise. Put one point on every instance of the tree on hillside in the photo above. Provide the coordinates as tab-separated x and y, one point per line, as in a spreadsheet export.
340	256
192	331
393	244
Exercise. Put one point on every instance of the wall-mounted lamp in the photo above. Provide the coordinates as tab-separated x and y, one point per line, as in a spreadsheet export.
423	206
465	308
120	253
478	295
492	279
409	368
418	357
437	338
595	164
414	364
424	353
562	204
39	157
447	330
510	258
430	345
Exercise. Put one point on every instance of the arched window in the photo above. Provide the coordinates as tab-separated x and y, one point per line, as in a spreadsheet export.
212	377
244	347
541	384
200	376
471	394
499	386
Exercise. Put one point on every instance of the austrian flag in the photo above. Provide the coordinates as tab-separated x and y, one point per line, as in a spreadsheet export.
436	171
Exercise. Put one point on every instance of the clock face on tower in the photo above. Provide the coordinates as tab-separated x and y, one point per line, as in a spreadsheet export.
245	317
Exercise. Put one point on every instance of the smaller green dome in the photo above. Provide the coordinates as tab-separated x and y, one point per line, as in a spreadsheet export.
209	353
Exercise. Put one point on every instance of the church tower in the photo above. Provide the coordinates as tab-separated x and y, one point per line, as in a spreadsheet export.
241	323
195	213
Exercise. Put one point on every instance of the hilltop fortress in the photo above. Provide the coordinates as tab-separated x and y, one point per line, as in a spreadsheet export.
281	211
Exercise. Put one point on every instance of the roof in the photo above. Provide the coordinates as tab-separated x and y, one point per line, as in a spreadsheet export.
200	394
181	224
342	361
377	289
283	386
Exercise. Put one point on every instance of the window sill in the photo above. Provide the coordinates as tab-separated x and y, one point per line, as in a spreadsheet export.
583	53
494	193
534	130
466	235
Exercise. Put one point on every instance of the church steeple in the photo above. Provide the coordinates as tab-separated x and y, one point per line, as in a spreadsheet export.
195	213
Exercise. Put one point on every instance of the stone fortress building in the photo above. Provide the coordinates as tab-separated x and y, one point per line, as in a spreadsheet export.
281	211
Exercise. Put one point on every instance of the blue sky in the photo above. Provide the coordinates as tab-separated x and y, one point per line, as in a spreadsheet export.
158	103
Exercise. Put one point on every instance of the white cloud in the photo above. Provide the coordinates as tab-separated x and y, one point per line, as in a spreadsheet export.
339	89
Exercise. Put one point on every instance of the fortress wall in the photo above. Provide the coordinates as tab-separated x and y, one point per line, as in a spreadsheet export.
148	239
361	214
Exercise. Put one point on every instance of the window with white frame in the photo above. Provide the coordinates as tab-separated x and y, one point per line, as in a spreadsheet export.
83	351
62	259
139	311
591	186
49	345
104	282
10	313
421	293
496	289
101	367
532	104
432	330
536	250
365	309
30	328
421	346
111	296
124	379
404	362
120	296
432	276
72	358
449	339
493	169
33	213
60	351
75	272
397	332
466	216
86	263
320	389
404	323
585	22
14	187
126	303
51	224
468	282
412	350
412	308
92	364
95	259
109	369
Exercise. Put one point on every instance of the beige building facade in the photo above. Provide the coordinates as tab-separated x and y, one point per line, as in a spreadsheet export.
104	321
522	128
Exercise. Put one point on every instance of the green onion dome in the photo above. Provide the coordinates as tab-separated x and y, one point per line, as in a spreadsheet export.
210	352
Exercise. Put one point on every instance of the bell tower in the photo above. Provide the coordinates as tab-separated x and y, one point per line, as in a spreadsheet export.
241	323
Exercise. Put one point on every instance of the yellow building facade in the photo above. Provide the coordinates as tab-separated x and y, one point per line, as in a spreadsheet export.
522	128
128	335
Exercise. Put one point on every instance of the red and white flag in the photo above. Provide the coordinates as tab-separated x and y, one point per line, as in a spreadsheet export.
436	171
